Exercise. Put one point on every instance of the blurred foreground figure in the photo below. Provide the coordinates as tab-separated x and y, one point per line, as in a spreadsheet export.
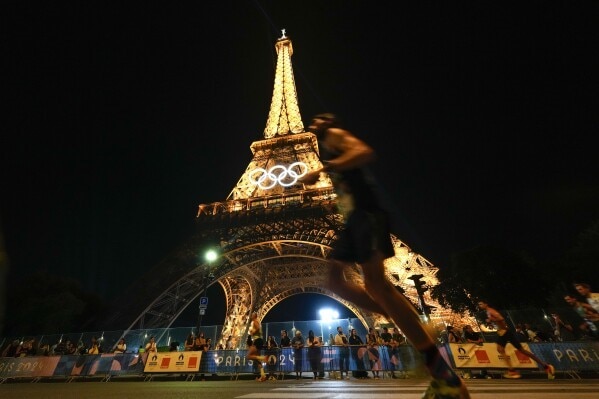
366	240
3	274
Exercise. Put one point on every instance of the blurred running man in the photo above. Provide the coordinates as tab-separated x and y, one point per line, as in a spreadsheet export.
366	240
256	346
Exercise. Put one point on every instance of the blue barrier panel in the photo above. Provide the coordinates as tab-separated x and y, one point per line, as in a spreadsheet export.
30	367
128	364
567	356
283	360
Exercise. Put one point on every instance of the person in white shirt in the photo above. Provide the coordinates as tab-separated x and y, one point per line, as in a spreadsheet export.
592	298
151	346
342	341
121	347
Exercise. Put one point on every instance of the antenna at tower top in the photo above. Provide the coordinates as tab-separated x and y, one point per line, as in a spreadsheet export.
283	34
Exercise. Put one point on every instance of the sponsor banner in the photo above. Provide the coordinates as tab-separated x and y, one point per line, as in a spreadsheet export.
15	367
173	362
283	360
565	356
236	361
486	356
569	356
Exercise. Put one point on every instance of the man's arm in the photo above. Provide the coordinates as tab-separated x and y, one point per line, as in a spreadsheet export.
353	151
494	315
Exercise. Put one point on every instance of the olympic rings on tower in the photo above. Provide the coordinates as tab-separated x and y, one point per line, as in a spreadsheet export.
285	176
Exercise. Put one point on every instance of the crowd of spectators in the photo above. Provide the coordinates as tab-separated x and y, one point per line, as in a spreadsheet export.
579	320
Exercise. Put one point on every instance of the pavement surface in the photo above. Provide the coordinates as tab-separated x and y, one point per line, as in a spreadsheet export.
293	389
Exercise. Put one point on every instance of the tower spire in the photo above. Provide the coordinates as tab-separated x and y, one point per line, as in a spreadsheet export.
287	151
284	116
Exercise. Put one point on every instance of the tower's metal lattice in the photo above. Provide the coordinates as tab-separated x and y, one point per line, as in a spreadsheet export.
273	233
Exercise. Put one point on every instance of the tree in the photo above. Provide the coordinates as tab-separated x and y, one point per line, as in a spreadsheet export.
582	261
505	278
43	303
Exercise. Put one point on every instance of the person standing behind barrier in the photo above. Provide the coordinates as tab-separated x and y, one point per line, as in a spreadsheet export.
590	317
453	336
151	346
472	337
285	340
372	340
520	333
271	356
505	335
562	331
297	343
121	347
342	342
255	331
229	344
189	342
314	353
94	348
199	342
398	339
530	333
71	348
387	340
356	344
592	298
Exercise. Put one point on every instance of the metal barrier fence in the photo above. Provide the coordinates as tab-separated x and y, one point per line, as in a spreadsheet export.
136	339
539	318
569	358
280	362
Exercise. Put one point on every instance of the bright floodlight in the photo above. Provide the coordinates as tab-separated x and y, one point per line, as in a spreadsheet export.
328	314
211	255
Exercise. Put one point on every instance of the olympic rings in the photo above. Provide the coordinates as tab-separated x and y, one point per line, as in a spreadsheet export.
285	176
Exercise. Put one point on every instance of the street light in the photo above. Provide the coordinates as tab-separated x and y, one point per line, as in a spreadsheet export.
326	314
210	255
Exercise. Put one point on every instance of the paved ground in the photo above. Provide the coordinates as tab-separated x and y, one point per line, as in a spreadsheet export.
292	389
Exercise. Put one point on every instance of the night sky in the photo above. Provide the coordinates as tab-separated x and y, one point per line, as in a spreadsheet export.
122	117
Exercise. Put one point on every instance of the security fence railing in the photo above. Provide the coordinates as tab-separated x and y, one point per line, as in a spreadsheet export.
541	320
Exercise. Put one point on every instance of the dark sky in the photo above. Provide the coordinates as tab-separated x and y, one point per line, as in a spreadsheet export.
122	117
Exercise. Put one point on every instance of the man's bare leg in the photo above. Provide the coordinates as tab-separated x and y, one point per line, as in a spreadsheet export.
354	293
254	354
379	295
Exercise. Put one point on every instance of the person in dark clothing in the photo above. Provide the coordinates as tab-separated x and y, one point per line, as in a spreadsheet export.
355	344
366	240
297	343
314	353
285	340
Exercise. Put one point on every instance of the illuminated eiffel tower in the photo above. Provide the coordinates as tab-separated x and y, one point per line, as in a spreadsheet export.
272	233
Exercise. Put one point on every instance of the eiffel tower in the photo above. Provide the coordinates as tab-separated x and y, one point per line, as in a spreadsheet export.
273	234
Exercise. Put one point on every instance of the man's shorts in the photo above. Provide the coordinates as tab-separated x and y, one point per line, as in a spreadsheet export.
510	337
364	232
258	343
